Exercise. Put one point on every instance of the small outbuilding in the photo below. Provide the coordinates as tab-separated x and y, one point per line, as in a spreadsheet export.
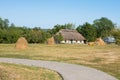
71	37
110	39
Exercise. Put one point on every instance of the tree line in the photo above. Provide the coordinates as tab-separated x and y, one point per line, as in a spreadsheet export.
9	33
103	27
100	28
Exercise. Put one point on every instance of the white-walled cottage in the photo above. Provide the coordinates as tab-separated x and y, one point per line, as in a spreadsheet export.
71	37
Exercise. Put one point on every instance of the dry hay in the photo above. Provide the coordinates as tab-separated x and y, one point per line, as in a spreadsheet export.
91	43
51	41
99	41
21	43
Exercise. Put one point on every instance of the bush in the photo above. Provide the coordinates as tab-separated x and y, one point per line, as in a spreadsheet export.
58	38
116	34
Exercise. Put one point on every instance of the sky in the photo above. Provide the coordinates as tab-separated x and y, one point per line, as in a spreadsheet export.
47	13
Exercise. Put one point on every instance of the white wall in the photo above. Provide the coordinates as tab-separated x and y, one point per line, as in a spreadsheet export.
72	42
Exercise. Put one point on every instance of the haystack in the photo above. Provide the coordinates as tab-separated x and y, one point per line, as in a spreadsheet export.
91	43
21	43
51	41
99	41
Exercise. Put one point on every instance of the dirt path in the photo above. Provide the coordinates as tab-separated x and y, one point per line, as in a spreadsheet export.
67	71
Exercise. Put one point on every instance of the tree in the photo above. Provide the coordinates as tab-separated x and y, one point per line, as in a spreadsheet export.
36	28
10	33
69	26
88	31
1	35
6	23
116	34
12	25
65	26
58	38
1	23
104	27
57	28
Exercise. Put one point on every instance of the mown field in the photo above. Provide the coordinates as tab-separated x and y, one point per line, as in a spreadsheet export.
105	58
21	72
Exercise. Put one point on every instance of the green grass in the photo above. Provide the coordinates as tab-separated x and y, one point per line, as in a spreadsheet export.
21	72
96	60
105	58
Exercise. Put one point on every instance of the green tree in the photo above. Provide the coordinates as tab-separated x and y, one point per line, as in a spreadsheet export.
12	25
69	26
49	33
36	28
35	35
1	23
4	36
57	28
10	33
88	31
104	27
58	38
6	23
1	35
14	34
116	34
65	26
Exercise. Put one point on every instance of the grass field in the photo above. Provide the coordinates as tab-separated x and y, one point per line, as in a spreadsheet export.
21	72
105	58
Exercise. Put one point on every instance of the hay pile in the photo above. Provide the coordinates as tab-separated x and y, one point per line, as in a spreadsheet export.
51	41
21	43
99	41
91	43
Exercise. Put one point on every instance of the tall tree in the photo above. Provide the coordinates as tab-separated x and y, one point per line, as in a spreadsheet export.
1	23
12	25
69	26
57	28
6	23
88	31
65	26
104	26
116	34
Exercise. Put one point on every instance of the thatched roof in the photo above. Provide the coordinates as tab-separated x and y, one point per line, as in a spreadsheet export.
71	34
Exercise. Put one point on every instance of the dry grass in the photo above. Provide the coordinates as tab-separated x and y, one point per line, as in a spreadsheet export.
106	58
20	72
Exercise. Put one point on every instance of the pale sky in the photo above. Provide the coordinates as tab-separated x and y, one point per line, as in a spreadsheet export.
47	13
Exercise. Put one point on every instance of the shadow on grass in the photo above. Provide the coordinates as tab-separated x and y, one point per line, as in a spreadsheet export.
15	56
53	58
